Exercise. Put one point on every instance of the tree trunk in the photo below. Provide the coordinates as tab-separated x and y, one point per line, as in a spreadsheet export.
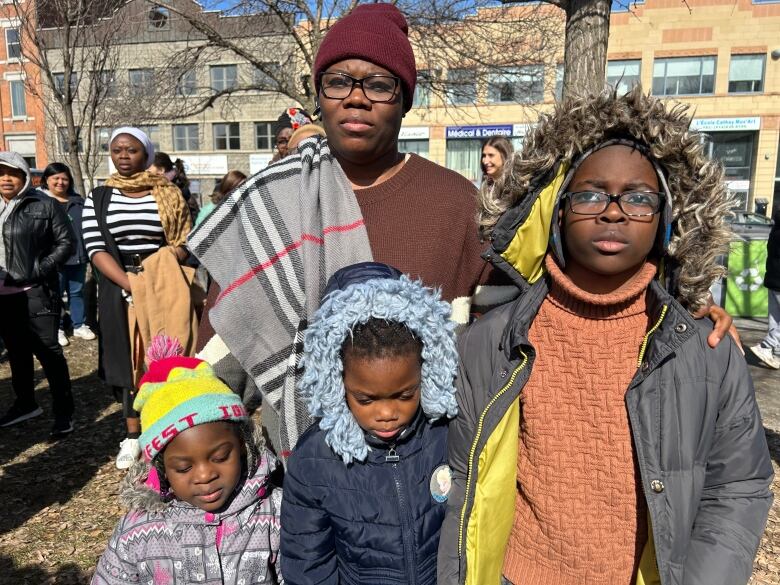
72	136
587	35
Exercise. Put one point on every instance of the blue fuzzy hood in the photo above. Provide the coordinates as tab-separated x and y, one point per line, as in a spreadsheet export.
352	301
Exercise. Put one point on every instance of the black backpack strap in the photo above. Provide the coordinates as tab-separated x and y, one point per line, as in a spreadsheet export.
101	197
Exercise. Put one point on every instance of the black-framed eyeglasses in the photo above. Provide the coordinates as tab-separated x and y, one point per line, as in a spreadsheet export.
377	88
632	203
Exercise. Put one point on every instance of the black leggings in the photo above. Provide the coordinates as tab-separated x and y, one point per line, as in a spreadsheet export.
29	322
126	396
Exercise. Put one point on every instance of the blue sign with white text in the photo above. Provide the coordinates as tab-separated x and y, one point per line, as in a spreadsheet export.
466	132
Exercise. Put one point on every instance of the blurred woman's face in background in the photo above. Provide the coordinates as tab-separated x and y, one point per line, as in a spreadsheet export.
492	161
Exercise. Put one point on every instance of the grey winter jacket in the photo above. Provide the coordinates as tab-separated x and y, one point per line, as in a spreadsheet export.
702	453
177	543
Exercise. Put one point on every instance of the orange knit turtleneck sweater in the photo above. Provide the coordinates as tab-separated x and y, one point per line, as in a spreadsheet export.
580	515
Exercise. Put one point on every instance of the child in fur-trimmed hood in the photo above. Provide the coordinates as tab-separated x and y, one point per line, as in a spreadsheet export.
202	508
600	439
365	486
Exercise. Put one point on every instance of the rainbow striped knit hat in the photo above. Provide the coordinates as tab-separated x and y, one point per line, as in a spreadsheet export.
177	393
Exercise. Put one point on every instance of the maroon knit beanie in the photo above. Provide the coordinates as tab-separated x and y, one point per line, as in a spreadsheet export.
373	32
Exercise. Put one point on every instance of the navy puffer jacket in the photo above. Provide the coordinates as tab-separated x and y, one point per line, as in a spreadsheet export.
375	522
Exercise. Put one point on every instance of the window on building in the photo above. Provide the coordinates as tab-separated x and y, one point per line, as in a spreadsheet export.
422	91
18	103
623	75
13	45
59	84
107	83
224	77
265	82
418	147
559	81
65	143
142	81
264	135
517	84
736	150
227	136
463	156
24	145
185	137
746	73
461	86
102	138
159	18
684	76
186	82
153	132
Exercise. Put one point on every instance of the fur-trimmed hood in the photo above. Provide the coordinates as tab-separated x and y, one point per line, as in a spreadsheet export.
699	200
140	489
355	301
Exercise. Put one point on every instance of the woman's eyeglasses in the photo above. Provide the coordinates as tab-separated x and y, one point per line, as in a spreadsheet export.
377	88
632	203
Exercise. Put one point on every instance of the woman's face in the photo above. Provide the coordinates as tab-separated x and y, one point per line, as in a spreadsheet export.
128	155
155	170
492	161
359	130
12	182
282	140
58	184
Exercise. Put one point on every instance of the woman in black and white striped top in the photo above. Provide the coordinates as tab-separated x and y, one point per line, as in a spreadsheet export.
133	222
122	225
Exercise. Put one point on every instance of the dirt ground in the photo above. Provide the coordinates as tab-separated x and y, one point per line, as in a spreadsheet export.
60	498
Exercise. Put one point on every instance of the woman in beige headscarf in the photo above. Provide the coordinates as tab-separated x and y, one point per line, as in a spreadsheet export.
125	221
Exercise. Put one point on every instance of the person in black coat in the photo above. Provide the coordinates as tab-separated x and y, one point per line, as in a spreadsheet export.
365	489
37	238
768	351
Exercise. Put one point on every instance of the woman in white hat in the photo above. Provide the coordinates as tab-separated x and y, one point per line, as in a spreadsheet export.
128	219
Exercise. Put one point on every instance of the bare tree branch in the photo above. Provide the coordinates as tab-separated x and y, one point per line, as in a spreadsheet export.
69	45
488	39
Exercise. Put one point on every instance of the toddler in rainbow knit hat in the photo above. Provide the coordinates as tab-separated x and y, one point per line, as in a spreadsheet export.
202	507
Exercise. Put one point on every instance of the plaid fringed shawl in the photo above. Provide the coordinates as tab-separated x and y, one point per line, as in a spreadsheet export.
271	247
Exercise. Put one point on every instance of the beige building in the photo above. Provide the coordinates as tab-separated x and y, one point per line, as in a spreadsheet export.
720	56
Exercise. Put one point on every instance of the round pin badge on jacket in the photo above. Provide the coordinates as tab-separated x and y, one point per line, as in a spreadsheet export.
441	483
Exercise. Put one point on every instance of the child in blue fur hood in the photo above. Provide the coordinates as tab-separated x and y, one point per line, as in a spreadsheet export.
366	486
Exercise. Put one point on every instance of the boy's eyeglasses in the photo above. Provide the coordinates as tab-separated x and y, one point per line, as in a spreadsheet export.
632	203
377	88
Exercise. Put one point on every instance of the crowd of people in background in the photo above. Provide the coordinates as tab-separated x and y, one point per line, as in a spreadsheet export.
458	385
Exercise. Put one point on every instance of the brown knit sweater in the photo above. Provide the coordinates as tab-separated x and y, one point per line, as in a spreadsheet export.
422	221
580	516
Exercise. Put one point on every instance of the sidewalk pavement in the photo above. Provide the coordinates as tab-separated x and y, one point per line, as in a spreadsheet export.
765	379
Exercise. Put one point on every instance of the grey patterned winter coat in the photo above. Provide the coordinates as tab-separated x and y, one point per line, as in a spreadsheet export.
176	543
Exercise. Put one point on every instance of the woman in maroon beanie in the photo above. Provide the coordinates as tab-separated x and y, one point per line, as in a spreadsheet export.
419	215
